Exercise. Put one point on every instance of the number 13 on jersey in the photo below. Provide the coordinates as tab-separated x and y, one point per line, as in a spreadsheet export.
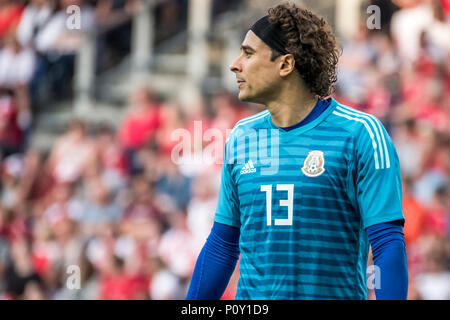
289	203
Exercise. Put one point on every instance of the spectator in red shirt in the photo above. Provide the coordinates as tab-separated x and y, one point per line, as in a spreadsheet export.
116	284
11	135
142	120
10	14
437	217
140	124
414	213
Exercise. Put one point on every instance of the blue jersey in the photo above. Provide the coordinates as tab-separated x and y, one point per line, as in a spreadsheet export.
302	200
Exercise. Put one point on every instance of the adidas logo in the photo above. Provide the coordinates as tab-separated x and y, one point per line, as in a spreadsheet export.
248	168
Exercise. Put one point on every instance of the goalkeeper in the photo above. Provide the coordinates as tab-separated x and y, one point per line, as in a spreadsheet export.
308	184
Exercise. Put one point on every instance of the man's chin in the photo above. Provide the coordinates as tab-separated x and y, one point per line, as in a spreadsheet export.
244	97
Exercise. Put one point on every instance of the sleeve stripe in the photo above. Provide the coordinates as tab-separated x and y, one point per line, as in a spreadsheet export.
375	154
388	163
375	128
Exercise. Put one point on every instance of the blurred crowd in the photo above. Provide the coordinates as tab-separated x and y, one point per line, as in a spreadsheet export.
108	214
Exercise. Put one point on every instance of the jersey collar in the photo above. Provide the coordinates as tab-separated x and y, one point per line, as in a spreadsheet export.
307	126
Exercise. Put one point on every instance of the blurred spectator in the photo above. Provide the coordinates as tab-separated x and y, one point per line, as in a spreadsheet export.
55	38
142	121
407	25
179	248
113	45
70	154
11	134
20	273
435	172
437	218
165	285
116	284
57	43
195	158
150	160
34	290
62	204
388	8
171	120
142	221
172	190
432	283
89	288
437	32
353	73
140	204
412	146
10	180
414	214
99	208
171	16
17	65
226	113
10	14
140	124
108	159
202	207
36	15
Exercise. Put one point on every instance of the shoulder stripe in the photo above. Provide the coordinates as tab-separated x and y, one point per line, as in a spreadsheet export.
374	144
248	120
253	117
366	115
374	127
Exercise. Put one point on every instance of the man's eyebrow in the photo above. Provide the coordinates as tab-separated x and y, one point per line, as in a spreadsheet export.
247	48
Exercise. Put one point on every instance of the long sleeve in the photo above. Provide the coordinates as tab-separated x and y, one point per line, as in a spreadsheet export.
215	264
388	248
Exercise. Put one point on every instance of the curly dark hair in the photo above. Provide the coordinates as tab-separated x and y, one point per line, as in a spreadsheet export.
311	41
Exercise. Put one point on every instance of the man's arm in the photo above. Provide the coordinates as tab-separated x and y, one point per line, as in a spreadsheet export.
388	249
215	264
376	183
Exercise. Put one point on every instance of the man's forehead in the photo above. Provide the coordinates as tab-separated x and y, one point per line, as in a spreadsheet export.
253	41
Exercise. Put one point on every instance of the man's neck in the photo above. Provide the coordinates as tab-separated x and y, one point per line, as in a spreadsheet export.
289	109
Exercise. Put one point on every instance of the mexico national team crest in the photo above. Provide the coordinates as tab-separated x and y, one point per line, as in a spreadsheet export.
314	164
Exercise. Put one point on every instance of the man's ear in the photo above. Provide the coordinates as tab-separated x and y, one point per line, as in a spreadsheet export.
287	65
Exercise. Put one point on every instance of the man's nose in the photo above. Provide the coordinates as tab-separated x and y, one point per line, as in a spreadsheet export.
235	66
